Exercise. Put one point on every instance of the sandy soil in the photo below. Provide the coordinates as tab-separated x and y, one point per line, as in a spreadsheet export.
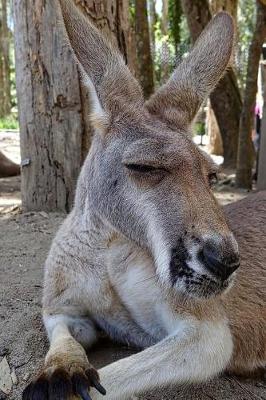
25	240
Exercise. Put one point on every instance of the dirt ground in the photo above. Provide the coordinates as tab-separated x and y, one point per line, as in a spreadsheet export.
24	242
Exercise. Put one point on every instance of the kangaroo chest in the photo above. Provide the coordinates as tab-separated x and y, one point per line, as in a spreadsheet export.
133	278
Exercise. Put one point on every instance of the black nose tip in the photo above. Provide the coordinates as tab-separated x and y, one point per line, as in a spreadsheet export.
221	263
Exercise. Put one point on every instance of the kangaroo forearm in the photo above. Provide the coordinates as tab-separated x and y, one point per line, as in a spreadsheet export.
194	358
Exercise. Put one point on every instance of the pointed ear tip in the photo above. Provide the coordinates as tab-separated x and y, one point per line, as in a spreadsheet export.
224	18
223	25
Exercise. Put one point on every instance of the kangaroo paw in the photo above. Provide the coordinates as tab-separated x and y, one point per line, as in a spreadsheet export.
61	383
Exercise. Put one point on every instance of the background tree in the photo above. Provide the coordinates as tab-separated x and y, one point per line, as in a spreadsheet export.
245	149
215	139
175	17
152	24
53	106
261	168
145	62
5	85
215	145
224	5
225	99
246	18
165	51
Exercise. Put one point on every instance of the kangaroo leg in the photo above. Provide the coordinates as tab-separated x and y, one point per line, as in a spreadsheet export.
192	355
67	373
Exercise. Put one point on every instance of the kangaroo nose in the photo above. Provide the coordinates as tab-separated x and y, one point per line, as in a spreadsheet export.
220	262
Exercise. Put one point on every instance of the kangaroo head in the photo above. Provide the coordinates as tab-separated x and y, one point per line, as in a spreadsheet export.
144	176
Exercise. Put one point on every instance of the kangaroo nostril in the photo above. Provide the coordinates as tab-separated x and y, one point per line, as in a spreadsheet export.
220	264
233	267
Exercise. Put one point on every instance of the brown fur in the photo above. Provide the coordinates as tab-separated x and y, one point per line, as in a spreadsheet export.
245	304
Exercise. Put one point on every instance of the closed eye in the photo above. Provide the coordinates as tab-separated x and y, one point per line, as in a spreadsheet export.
142	168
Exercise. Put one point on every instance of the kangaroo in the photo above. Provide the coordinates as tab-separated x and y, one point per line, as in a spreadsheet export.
147	254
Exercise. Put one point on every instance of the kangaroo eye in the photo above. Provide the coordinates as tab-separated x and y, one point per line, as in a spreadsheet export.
141	168
213	178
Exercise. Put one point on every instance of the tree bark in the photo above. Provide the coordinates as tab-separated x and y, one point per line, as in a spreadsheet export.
165	55
215	140
225	99
224	5
245	149
227	104
143	48
5	86
174	17
153	20
261	183
53	106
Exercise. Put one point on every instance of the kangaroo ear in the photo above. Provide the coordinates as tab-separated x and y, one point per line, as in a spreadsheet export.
178	101
109	81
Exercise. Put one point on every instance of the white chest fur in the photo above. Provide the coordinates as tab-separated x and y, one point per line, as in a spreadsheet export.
132	274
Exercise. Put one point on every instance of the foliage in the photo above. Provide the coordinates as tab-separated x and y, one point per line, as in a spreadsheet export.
246	22
185	40
177	39
9	122
174	17
179	42
132	12
162	56
12	72
199	128
11	57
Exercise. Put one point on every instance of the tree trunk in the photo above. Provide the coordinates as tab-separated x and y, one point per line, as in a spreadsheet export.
227	104
5	87
53	106
225	99
261	183
224	5
165	59
153	20
143	47
245	150
215	140
174	17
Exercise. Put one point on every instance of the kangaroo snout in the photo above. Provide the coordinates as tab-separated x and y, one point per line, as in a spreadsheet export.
202	265
220	257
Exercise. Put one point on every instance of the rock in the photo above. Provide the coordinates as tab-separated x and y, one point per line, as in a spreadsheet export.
5	377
